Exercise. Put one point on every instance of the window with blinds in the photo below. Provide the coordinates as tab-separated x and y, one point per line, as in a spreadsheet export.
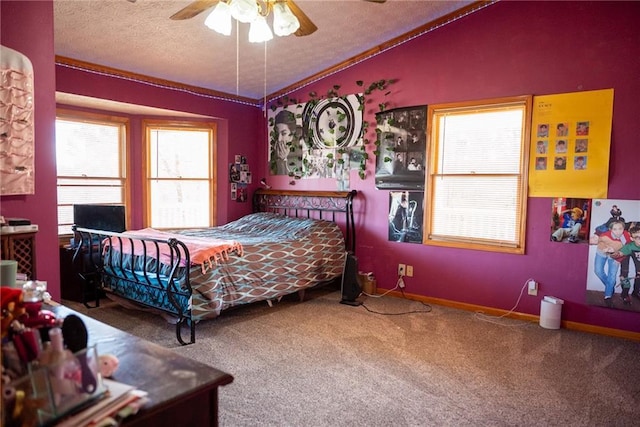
477	177
91	162
180	175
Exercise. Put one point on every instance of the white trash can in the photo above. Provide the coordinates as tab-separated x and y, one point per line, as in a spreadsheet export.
550	312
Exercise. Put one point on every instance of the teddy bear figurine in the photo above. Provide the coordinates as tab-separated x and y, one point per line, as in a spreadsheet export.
107	365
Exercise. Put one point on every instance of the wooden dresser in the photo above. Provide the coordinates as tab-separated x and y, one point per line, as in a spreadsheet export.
182	391
20	246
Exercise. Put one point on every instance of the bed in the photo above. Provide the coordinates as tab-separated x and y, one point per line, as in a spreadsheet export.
292	241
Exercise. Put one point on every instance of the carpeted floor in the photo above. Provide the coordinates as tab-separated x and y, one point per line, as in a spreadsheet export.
321	363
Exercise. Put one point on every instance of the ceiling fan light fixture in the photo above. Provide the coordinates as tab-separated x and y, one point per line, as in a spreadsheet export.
244	10
285	22
259	30
219	19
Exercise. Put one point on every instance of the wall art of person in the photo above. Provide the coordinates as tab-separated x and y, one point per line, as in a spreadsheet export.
287	145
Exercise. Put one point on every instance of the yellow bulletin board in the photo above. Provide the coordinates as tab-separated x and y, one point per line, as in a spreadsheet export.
570	140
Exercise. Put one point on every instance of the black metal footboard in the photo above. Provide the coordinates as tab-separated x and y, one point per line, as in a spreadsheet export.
148	271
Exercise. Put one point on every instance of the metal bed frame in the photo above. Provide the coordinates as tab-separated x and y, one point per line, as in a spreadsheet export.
107	266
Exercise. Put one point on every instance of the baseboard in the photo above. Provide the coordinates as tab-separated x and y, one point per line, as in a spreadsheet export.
576	326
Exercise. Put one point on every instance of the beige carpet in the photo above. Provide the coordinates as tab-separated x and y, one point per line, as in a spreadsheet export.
321	363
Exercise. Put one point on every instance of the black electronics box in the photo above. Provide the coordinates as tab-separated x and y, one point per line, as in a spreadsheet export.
18	221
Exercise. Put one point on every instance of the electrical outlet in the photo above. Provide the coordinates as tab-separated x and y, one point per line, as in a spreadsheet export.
409	270
532	285
402	268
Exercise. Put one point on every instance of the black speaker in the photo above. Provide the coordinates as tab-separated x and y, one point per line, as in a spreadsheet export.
351	289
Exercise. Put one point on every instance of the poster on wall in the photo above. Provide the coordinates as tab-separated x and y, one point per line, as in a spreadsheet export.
570	140
405	216
16	124
285	142
570	220
613	275
401	160
239	177
316	139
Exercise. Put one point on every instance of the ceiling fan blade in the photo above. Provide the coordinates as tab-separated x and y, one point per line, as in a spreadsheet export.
193	9
306	26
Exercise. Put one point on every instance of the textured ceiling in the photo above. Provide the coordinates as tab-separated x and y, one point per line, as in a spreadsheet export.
139	37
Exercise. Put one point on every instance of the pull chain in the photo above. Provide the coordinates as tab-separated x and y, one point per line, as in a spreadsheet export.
237	58
264	103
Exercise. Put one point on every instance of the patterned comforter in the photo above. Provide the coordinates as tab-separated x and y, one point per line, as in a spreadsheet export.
281	255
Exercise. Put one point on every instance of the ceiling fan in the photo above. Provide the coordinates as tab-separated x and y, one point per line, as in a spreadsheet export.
306	25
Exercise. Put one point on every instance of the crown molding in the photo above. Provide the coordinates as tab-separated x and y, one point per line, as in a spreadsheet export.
114	72
168	84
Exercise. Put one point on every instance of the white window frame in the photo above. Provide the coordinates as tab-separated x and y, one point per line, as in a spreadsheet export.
433	234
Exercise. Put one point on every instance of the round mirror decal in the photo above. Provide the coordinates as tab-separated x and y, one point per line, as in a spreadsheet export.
333	123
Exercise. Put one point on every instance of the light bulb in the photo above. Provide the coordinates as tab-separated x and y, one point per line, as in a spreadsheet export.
284	21
219	19
244	10
260	31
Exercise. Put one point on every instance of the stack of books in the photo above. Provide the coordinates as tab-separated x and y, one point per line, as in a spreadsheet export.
119	402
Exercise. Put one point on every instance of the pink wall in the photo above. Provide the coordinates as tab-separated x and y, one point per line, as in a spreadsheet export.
28	28
509	48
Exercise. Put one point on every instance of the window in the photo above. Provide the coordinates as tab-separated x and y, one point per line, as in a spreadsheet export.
477	178
91	162
179	172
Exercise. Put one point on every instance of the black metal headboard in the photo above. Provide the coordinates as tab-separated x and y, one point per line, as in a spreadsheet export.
335	206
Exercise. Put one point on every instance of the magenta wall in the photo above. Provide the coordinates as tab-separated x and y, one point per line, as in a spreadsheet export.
238	130
28	28
509	48
238	127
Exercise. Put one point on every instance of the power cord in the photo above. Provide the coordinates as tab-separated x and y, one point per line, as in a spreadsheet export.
492	319
388	290
397	286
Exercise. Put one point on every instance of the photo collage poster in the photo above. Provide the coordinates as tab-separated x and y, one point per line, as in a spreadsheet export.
401	161
613	274
570	141
239	177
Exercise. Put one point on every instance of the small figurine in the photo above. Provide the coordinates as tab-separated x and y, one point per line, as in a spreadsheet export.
12	307
107	364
